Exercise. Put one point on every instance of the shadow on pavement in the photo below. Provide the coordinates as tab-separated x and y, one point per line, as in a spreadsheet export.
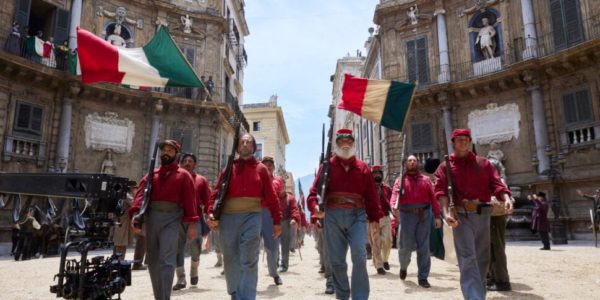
412	287
272	291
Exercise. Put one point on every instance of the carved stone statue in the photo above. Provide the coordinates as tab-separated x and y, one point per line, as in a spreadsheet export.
108	166
115	38
187	24
413	15
486	38
120	16
496	156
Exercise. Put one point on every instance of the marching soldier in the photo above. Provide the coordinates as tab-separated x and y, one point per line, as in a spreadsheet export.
202	190
351	199
270	242
250	188
416	203
474	181
381	238
172	201
291	217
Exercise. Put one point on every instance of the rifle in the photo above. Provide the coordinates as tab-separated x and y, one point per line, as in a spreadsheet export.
450	188
139	216
324	176
218	206
401	183
322	145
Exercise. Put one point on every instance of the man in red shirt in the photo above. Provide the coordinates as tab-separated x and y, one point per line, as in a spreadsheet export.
381	238
270	242
291	217
416	203
350	199
202	189
172	201
250	188
474	181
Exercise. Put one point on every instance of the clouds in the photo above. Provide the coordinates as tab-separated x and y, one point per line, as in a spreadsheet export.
293	48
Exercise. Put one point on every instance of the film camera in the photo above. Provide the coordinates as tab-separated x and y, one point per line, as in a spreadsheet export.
98	277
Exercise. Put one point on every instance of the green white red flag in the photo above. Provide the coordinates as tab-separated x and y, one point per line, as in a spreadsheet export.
158	64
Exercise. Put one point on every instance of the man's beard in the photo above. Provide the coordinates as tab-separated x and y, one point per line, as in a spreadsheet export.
345	152
165	159
378	179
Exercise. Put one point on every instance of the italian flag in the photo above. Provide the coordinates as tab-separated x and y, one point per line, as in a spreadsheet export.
382	101
158	64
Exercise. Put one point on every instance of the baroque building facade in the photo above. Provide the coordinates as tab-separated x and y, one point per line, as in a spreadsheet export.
50	122
520	74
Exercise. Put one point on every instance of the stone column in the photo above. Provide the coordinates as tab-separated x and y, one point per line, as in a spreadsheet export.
64	135
530	50
539	127
156	118
444	75
75	21
447	118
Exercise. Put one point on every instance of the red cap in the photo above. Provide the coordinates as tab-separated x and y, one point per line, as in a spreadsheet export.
172	143
344	133
376	168
464	132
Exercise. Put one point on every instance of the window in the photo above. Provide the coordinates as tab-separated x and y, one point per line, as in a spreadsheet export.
184	138
256	126
566	23
577	107
416	61
422	137
259	151
41	15
28	119
190	54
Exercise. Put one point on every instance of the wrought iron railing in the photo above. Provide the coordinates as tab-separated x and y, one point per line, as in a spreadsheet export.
56	58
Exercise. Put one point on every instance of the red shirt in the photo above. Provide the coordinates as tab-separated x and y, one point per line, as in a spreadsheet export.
249	178
417	188
357	180
384	197
202	192
170	183
289	208
474	177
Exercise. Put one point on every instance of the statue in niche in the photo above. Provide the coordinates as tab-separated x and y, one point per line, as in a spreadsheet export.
486	38
496	156
413	15
120	16
187	23
108	166
115	38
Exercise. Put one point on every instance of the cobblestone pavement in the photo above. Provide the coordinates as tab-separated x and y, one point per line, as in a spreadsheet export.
566	272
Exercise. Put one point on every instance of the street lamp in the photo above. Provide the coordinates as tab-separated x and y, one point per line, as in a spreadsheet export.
559	233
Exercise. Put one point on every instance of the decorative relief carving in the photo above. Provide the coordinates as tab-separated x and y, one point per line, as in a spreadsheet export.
495	123
108	132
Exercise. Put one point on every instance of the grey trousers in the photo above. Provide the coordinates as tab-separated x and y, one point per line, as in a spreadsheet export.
286	236
498	269
162	237
472	244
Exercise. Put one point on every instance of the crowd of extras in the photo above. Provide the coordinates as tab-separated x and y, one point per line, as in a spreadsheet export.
349	206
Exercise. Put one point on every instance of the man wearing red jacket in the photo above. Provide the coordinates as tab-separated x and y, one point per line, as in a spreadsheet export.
270	242
250	187
202	190
416	205
474	181
350	199
172	201
291	216
381	238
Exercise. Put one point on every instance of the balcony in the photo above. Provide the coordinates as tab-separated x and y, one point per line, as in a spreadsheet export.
581	135
58	58
24	149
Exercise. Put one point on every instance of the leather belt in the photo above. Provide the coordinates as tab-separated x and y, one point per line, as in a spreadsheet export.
355	202
470	206
164	206
420	211
242	205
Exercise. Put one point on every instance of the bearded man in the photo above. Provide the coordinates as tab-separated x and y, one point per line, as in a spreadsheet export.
350	199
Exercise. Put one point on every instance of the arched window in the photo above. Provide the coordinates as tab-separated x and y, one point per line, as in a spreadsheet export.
478	27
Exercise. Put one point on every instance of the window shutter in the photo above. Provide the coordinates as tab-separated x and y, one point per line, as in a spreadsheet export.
422	69
23	117
411	61
190	55
61	25
572	22
22	14
557	20
184	137
422	139
36	119
584	106
570	108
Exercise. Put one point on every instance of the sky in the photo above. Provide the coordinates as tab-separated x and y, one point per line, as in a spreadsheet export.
292	49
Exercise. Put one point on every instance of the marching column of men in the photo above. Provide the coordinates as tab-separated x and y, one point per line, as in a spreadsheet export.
357	206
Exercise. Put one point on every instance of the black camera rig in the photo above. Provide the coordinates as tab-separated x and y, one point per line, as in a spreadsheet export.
98	277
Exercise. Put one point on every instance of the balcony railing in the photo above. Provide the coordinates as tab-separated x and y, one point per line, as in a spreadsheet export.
58	58
27	149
